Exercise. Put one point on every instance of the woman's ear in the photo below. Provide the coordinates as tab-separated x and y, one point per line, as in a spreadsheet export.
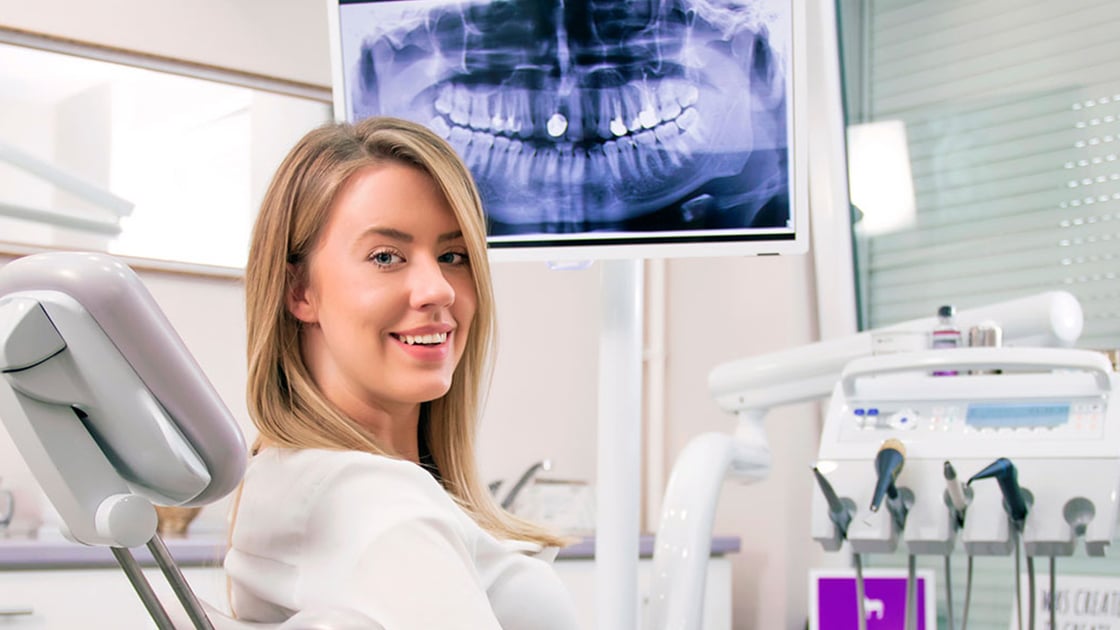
297	297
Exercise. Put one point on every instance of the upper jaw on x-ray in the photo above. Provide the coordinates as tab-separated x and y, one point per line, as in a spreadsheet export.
581	116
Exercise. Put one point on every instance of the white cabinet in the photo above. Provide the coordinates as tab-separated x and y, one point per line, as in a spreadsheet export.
579	576
91	598
103	598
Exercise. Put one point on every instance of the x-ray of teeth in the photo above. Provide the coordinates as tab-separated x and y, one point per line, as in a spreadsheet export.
591	115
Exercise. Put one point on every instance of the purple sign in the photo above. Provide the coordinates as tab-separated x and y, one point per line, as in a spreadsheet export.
884	603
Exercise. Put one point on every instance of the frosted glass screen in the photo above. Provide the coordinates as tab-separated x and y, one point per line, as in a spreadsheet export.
1017	415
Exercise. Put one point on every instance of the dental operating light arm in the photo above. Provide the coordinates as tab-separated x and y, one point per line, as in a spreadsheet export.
103	400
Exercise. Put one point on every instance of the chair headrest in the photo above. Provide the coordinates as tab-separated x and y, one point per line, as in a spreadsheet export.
85	349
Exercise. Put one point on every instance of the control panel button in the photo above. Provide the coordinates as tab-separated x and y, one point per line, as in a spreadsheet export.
904	419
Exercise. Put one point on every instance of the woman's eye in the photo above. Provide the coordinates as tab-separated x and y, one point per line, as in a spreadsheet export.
454	258
385	258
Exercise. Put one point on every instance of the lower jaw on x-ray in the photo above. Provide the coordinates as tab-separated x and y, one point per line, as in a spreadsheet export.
593	116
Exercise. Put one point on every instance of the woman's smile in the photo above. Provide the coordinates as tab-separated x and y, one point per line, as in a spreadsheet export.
427	343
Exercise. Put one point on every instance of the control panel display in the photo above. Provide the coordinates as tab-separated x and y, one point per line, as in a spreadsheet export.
1016	415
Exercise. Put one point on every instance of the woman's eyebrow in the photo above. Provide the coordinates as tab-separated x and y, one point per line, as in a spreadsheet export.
405	237
392	233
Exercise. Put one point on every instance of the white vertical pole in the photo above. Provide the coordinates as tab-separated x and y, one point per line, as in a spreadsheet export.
654	355
619	446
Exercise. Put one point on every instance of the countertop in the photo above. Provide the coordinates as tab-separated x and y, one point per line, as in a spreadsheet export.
207	549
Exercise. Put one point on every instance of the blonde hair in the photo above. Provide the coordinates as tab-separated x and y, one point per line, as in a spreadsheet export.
286	406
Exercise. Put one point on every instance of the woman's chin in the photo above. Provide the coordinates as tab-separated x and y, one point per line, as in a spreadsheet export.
432	392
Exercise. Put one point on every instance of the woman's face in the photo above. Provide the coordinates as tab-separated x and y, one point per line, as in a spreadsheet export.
388	295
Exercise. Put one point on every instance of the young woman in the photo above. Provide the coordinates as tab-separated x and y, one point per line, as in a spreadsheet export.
370	325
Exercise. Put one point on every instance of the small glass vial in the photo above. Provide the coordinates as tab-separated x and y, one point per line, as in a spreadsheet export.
985	335
945	334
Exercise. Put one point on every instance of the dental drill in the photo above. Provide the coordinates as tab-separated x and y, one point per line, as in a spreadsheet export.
958	504
888	465
867	528
841	517
1015	504
957	499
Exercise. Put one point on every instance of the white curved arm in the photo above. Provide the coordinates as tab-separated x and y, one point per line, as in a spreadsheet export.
684	536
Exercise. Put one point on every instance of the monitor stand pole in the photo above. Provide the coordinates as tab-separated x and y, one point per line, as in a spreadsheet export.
619	445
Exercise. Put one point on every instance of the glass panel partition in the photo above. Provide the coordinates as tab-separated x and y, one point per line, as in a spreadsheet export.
983	140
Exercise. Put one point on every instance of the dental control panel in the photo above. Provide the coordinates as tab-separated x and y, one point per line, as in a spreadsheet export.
1049	414
1060	409
951	420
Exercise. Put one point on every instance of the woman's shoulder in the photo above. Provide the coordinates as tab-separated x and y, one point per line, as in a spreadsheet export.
328	460
323	478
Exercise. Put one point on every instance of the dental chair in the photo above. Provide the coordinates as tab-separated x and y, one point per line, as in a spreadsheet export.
113	415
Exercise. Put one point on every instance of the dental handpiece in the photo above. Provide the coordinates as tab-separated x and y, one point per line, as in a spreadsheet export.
956	492
840	515
888	464
1008	479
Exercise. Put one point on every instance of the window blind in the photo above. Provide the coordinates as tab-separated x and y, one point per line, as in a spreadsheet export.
1012	112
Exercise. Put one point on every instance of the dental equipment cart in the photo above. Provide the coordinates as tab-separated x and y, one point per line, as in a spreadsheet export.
1043	422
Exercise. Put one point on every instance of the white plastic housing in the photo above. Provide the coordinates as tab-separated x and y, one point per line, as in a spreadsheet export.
1070	469
809	372
103	400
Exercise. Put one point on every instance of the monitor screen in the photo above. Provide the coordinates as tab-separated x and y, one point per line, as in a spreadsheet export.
599	129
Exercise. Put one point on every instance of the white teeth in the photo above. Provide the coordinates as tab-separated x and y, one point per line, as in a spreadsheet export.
460	105
424	339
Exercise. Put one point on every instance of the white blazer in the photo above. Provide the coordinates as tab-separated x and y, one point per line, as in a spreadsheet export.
326	529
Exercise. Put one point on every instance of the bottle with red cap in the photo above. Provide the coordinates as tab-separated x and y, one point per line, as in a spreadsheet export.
946	334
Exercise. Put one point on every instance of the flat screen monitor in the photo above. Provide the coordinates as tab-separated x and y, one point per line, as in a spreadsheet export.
599	129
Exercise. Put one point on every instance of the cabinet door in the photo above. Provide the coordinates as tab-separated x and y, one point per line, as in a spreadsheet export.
579	577
92	598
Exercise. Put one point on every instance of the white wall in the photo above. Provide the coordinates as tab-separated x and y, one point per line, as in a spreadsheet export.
283	39
543	398
723	309
543	402
19	122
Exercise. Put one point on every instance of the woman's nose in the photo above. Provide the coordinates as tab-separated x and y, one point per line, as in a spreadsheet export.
430	287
